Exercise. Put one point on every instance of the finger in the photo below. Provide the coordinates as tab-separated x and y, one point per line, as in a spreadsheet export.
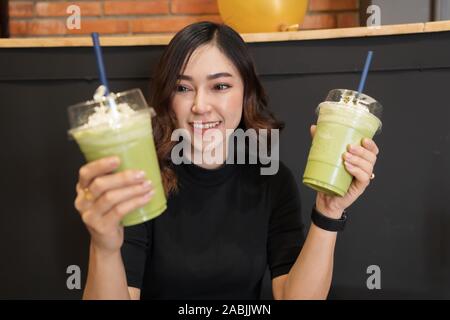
117	180
360	175
90	218
113	197
95	168
363	153
370	145
312	130
78	188
357	161
116	214
81	203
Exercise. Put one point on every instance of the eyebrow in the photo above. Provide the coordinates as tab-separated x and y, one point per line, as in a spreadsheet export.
209	77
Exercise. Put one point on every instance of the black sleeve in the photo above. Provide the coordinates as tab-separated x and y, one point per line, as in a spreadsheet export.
134	253
286	229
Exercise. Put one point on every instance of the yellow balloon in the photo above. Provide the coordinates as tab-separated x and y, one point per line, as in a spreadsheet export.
247	16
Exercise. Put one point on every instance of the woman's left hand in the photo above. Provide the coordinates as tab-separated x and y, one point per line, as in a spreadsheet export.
359	162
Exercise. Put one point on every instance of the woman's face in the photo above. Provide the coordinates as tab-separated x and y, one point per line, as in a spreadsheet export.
209	96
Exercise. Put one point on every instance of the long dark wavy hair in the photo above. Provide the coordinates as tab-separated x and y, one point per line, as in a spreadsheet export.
256	114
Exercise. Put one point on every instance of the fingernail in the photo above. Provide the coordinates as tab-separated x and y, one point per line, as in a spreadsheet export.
347	156
146	184
148	195
114	161
347	164
140	175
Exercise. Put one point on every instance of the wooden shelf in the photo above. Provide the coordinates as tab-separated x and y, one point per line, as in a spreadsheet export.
147	40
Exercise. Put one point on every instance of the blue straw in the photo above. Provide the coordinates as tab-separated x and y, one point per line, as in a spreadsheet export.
362	82
100	65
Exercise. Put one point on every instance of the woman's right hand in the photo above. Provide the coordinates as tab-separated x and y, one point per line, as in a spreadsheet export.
104	198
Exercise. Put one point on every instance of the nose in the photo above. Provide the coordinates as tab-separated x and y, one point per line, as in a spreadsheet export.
201	104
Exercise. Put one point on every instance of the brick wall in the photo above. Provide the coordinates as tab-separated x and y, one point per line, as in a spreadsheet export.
48	18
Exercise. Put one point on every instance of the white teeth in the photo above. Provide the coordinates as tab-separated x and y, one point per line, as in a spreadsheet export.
199	125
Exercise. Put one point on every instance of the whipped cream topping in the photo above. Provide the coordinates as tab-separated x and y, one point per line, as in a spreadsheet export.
351	100
108	112
107	115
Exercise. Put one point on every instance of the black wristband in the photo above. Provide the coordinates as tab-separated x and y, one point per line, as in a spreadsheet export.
326	223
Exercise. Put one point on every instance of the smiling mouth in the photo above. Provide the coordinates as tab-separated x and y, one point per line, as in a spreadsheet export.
205	125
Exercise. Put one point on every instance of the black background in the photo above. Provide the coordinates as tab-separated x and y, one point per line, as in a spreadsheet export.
401	223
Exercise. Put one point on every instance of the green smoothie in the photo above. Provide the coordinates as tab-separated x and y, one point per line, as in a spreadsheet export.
132	141
338	125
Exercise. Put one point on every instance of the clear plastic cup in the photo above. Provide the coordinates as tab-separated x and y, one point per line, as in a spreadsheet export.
128	134
343	118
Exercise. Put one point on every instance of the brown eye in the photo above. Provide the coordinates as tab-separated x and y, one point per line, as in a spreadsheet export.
222	86
181	88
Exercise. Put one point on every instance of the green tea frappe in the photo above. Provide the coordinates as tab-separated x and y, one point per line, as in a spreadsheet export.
344	118
121	127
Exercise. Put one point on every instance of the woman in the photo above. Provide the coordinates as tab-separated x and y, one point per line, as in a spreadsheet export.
225	223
